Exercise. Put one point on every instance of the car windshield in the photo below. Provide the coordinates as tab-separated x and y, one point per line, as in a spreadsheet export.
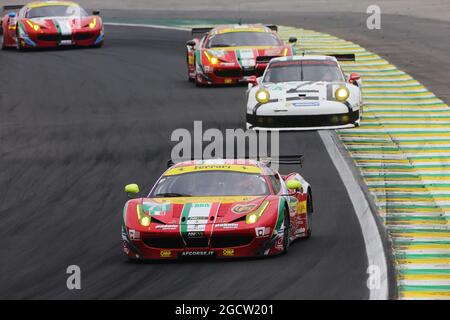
243	38
211	183
303	70
56	11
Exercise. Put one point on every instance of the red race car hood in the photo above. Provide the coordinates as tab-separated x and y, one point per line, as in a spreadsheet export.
244	55
62	25
201	209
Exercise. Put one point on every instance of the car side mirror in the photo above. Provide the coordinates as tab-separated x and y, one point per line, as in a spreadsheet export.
293	185
252	80
191	43
131	190
354	77
292	39
95	12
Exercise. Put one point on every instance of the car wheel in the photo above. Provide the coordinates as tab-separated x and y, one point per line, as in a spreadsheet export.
2	39
198	82
19	43
287	226
308	217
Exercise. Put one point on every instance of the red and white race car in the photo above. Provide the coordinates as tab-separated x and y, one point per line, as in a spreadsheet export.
229	54
47	24
218	208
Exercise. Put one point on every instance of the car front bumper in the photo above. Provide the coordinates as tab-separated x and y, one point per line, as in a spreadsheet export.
170	245
303	122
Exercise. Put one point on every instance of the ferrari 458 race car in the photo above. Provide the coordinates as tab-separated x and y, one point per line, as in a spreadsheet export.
228	54
47	24
304	93
218	208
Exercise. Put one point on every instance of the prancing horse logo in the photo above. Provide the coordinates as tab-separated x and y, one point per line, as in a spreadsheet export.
243	208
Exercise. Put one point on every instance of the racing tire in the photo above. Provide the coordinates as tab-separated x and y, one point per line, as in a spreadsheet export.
133	260
2	39
19	43
287	226
309	212
198	84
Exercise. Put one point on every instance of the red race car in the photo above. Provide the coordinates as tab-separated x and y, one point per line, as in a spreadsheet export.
50	24
231	53
218	208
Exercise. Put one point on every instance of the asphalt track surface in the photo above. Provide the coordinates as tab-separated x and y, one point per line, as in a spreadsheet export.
77	125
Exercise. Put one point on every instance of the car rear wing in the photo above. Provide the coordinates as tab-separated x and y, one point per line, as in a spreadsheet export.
344	56
10	8
200	32
272	27
283	159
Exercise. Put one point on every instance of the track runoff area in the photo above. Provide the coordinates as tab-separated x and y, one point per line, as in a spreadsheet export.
402	150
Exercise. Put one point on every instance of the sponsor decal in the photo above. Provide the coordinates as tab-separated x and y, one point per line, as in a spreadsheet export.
134	234
227	225
229	252
156	209
273	52
165	253
246	57
166	227
197	253
125	248
279	243
196	234
262	232
300	230
197	219
306	104
301	207
243	208
196	216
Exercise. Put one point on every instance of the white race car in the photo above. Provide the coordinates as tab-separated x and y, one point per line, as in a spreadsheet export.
304	93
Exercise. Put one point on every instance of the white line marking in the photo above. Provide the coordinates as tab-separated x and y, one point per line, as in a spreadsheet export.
155	26
372	238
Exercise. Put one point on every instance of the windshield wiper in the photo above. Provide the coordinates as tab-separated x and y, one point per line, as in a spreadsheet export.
171	194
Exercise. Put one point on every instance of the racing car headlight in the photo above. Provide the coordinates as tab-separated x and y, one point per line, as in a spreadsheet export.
255	215
93	24
212	59
34	26
262	96
144	219
342	94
